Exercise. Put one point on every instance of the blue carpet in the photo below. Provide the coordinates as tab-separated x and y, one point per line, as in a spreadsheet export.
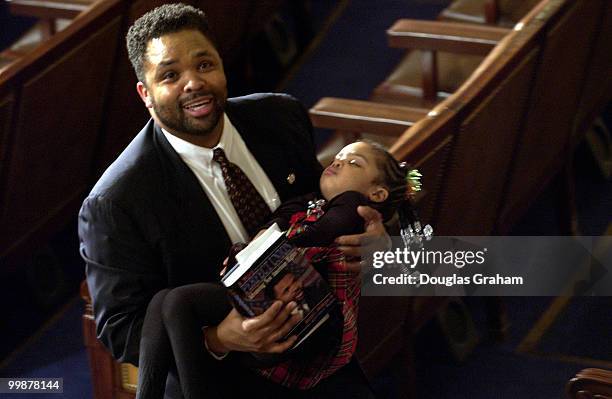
11	27
354	57
57	352
498	371
494	374
581	330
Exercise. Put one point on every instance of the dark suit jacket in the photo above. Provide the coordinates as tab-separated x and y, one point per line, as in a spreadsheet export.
147	224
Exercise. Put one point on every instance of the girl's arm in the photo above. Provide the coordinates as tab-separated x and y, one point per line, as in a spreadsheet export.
340	218
282	215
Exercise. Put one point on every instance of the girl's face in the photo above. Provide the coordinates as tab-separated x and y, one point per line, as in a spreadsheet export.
355	168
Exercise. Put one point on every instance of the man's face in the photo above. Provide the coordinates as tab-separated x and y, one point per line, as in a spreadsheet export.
185	84
288	289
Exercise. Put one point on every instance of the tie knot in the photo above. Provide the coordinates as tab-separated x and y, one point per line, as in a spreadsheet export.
219	155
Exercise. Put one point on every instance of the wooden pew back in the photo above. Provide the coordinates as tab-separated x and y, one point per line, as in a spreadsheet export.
597	88
467	145
53	104
484	118
566	36
508	135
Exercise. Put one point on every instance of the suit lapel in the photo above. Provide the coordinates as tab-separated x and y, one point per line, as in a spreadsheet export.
196	218
271	154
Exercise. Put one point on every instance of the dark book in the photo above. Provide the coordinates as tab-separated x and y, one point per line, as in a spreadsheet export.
270	269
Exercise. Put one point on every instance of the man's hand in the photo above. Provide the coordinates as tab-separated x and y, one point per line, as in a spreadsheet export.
374	238
258	334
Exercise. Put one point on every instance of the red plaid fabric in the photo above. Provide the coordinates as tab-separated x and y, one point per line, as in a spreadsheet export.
345	286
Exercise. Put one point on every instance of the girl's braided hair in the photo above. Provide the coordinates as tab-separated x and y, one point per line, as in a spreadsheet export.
394	177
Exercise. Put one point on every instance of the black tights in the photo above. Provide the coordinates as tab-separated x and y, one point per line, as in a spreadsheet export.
172	332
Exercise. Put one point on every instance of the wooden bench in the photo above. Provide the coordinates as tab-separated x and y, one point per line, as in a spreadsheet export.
52	16
440	56
471	145
492	12
590	383
533	116
50	124
565	45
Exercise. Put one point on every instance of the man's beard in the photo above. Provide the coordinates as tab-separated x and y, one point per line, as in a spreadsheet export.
175	118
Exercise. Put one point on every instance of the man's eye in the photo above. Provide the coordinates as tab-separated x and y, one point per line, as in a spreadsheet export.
169	75
205	65
354	162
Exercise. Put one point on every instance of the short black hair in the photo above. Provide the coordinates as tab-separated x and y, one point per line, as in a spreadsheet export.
165	19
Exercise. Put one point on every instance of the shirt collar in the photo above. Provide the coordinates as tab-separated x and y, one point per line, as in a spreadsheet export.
202	156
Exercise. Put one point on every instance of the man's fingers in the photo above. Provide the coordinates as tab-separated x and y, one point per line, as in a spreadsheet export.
281	347
263	319
369	215
358	245
265	332
281	318
286	327
349	241
373	228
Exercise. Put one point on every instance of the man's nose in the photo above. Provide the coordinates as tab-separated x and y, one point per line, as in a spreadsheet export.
336	163
194	82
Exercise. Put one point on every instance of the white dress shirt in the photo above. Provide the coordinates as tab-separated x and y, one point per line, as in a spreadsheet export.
208	173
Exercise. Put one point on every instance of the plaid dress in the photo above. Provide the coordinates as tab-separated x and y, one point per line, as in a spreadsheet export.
345	285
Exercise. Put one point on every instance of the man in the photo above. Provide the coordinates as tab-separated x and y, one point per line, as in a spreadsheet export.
163	216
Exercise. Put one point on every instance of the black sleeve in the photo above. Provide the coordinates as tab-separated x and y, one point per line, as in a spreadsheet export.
340	218
282	215
123	275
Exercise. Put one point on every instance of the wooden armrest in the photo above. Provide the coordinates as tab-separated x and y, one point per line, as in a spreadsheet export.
591	383
451	37
364	116
49	9
84	292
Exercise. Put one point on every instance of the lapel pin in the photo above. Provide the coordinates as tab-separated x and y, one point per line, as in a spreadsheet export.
291	178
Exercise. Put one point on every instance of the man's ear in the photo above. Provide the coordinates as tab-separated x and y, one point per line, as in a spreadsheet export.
378	194
143	92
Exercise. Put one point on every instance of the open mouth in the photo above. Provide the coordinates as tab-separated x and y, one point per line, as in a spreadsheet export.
199	107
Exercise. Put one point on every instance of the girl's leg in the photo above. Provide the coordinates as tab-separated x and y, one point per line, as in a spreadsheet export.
155	352
185	311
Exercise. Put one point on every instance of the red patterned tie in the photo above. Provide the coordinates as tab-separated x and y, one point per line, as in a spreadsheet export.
250	206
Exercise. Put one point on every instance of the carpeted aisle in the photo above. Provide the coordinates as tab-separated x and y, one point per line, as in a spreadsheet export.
56	351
